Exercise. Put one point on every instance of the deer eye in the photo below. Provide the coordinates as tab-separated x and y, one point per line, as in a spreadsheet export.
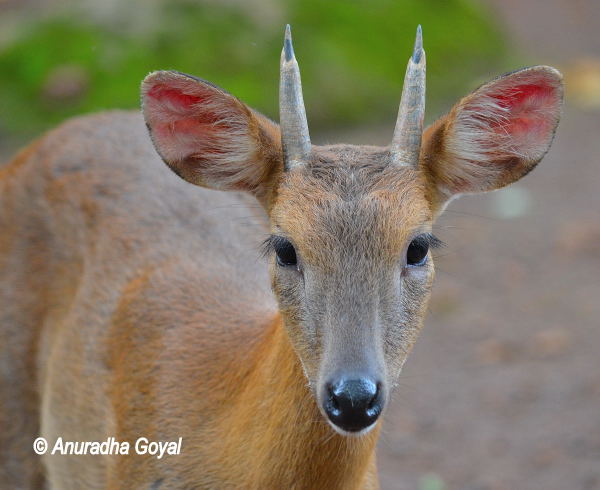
416	254
285	252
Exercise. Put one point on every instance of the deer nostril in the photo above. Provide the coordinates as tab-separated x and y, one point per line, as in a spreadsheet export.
375	399
332	398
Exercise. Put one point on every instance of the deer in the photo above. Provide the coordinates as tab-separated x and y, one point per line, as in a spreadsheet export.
135	304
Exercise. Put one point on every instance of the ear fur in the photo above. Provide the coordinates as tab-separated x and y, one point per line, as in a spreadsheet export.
494	136
207	136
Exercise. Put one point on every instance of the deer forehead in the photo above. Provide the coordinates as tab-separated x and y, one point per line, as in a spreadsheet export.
348	198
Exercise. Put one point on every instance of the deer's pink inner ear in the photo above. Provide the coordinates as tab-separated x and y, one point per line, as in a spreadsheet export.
527	108
176	98
189	118
513	117
179	106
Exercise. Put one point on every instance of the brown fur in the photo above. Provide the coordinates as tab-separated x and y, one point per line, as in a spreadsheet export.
130	345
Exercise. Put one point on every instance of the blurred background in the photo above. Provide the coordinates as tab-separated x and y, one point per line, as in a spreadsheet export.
503	388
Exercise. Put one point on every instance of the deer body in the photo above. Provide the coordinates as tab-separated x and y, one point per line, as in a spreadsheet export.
124	272
135	305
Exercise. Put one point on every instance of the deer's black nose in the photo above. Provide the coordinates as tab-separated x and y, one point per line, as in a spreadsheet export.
353	404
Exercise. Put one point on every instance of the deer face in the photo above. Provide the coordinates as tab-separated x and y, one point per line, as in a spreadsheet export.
351	227
351	269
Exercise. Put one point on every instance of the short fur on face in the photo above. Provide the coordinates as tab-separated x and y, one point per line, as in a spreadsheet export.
352	303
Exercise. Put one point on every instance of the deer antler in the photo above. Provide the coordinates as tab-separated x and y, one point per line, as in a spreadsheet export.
295	139
406	142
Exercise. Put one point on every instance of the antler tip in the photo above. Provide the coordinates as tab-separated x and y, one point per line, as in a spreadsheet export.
418	51
288	49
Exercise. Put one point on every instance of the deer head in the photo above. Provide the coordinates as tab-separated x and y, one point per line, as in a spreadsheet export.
351	226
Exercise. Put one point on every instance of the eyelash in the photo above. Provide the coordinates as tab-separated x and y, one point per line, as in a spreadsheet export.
433	241
270	244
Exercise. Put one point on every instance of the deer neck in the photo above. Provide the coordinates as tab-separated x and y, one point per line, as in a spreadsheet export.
286	441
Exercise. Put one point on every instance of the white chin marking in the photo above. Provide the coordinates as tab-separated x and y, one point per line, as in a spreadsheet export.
345	433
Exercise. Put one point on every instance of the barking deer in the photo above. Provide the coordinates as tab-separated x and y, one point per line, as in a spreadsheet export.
135	305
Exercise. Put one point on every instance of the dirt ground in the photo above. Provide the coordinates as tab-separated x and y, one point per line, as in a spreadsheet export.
502	390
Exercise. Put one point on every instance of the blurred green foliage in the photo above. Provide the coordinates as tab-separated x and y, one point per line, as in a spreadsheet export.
352	54
431	481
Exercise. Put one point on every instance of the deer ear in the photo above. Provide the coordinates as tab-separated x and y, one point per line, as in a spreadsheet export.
207	136
494	136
